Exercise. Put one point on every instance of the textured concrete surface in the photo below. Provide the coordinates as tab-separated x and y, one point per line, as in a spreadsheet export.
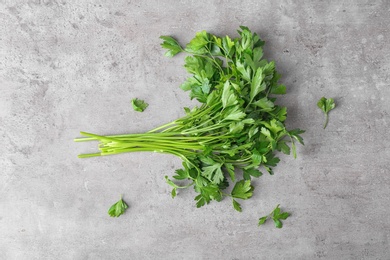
67	66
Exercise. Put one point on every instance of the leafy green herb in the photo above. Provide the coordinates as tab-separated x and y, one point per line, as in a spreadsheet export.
139	105
118	208
172	45
236	130
326	104
276	215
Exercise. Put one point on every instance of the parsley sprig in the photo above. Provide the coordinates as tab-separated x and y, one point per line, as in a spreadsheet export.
276	215
326	104
117	208
237	125
139	105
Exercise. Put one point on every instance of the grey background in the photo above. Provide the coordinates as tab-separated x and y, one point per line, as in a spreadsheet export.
69	66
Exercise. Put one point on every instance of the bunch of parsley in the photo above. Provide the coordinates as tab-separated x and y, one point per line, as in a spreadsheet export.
235	132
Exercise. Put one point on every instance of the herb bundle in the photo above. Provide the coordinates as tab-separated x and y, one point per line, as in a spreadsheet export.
235	132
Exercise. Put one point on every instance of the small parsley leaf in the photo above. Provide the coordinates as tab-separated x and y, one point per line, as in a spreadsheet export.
278	223
284	215
262	220
251	172
257	84
173	193
326	104
181	174
276	215
118	208
237	206
139	105
199	43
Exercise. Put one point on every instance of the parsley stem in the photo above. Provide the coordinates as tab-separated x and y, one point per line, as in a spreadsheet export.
326	120
89	155
204	129
162	127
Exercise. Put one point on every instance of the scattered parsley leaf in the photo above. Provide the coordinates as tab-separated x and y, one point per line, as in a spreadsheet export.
118	208
262	220
139	105
284	215
276	215
278	223
237	206
251	172
173	193
326	104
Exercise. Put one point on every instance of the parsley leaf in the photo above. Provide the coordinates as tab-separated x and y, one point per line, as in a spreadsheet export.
242	190
257	84
198	45
213	173
237	206
326	104
139	105
118	208
276	215
181	174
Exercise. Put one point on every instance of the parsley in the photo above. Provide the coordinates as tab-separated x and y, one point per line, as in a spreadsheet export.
326	104
276	215
118	208
235	131
242	190
139	105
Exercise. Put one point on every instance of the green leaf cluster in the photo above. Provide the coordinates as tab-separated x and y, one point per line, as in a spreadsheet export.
236	131
276	215
118	208
139	105
326	104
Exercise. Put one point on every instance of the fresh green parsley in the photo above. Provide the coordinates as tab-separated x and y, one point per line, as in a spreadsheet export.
326	104
276	215
118	208
139	105
236	131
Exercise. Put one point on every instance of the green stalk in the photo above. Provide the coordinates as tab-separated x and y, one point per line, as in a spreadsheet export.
162	127
326	120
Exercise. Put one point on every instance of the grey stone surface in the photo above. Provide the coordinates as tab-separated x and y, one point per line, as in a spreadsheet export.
67	66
